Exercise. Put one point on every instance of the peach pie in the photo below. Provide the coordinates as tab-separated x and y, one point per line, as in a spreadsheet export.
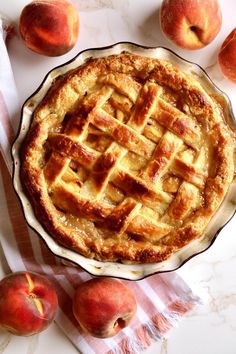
127	159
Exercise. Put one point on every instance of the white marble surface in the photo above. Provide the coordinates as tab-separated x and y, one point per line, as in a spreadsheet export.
211	328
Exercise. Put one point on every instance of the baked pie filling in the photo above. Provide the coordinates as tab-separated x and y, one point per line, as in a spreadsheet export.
127	159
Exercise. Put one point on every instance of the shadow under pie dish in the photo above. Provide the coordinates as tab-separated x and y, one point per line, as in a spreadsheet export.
125	156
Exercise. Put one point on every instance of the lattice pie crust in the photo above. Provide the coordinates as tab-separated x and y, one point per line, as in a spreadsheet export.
127	159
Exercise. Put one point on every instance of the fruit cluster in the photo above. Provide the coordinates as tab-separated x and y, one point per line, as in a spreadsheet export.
51	27
28	304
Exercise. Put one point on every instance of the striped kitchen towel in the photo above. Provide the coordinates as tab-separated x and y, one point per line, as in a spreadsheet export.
162	299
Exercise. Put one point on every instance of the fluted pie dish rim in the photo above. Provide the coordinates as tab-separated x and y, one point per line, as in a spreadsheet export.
118	269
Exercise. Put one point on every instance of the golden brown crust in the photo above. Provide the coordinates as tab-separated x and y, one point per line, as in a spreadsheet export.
127	159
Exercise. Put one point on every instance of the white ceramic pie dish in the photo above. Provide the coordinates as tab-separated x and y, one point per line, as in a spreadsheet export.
139	271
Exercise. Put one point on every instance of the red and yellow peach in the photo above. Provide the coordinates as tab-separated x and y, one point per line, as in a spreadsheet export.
49	27
227	56
28	303
103	306
190	24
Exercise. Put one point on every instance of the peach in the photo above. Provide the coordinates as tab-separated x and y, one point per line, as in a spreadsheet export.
190	24
103	306
227	56
49	27
28	303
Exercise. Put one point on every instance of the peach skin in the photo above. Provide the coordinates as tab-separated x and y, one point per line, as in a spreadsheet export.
49	27
227	56
28	303
103	306
190	24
